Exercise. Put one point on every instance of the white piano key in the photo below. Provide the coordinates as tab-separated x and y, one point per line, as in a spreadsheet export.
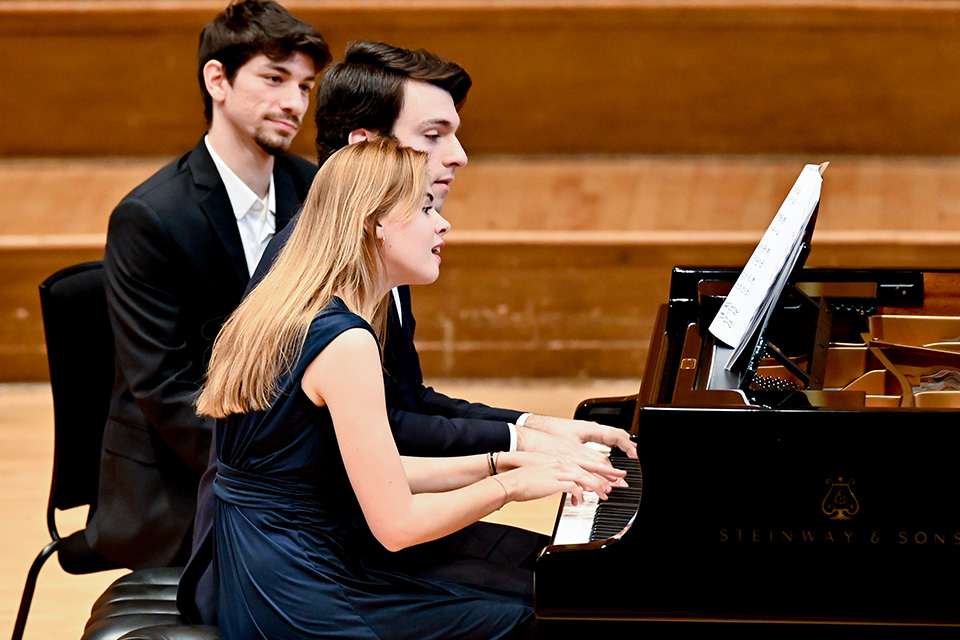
576	521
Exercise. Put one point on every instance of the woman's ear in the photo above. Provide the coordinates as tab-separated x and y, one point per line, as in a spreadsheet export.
379	231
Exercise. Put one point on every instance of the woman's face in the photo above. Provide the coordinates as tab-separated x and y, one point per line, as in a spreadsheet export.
411	247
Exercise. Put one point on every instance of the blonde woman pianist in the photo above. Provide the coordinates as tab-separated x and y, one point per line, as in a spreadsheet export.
309	478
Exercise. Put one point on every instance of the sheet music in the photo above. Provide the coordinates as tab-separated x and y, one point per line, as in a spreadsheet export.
766	273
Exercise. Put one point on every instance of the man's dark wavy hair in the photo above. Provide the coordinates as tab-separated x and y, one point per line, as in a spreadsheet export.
248	28
365	91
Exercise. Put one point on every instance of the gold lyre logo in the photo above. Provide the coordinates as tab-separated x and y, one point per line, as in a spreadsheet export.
840	503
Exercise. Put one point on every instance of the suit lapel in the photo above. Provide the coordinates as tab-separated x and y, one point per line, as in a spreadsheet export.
288	196
409	323
215	204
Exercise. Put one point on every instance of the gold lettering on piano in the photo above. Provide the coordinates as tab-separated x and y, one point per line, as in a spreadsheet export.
785	536
840	505
833	537
932	538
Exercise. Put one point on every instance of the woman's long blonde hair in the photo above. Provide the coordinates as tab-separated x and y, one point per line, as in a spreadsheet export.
332	251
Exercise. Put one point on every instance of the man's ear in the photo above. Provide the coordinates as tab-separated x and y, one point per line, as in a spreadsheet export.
359	135
215	79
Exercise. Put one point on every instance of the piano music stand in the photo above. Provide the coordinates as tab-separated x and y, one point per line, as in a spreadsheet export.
812	378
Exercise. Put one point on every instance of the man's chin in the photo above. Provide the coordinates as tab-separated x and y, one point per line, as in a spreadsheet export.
274	146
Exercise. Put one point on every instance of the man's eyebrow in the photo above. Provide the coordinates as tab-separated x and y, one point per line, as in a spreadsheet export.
279	67
443	122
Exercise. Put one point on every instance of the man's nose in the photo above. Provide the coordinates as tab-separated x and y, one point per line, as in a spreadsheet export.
294	100
454	155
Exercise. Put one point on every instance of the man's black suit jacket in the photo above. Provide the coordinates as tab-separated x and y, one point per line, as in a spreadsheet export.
425	422
174	270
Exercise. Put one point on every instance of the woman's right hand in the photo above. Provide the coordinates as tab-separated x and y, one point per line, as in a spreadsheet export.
552	477
515	459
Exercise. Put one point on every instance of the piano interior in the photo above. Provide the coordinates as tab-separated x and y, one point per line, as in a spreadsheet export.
870	356
817	486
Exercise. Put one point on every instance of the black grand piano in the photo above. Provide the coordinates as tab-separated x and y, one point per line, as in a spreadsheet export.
817	483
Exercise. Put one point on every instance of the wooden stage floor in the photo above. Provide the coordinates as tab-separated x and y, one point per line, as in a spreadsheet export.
62	601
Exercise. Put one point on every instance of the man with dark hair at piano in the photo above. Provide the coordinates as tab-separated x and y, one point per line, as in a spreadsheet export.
180	250
414	97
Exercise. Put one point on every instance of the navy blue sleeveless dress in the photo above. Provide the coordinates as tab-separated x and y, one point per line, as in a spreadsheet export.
292	547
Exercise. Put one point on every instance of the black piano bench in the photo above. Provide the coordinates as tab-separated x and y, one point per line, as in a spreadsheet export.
143	605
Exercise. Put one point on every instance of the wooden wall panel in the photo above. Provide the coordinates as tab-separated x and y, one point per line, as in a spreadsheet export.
571	306
700	193
22	350
564	231
57	197
118	78
499	194
555	265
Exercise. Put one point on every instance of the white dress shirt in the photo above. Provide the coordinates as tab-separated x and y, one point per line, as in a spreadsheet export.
256	217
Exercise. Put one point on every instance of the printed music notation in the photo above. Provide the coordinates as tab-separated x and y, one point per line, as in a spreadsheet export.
766	273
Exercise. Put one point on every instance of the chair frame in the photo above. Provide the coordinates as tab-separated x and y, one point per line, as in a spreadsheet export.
56	500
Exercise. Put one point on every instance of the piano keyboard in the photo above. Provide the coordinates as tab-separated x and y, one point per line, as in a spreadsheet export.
596	519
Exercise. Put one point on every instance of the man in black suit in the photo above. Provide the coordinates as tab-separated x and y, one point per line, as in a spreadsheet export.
180	251
415	97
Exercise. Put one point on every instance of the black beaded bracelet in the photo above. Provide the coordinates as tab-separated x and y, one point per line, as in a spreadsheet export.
491	465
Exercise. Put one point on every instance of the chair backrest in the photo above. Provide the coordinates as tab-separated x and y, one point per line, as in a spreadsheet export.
80	354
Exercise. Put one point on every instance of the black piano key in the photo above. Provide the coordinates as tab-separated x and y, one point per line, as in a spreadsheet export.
617	506
614	515
622	514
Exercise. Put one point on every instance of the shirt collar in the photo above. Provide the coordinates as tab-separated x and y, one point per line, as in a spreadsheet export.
242	197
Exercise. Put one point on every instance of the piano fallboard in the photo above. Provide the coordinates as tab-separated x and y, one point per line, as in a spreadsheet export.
810	515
